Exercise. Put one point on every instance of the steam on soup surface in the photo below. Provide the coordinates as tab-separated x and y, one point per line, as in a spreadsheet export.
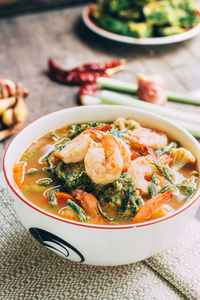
118	173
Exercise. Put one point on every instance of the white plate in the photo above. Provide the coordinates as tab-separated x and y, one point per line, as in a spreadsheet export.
139	41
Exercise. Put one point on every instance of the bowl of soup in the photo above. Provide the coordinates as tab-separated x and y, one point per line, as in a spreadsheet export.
103	185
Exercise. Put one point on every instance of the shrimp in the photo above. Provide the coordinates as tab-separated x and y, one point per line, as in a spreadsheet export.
76	149
148	209
88	202
123	147
135	153
165	159
103	161
125	153
141	137
142	170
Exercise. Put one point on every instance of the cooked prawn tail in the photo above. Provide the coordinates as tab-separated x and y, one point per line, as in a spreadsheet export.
142	137
96	135
110	145
146	211
88	202
165	159
103	128
130	138
160	199
151	152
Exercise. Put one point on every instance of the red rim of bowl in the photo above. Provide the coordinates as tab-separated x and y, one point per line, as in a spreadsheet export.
87	18
129	226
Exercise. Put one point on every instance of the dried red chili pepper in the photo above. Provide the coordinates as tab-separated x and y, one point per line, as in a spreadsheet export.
55	70
73	77
79	78
87	94
85	74
102	66
88	89
87	77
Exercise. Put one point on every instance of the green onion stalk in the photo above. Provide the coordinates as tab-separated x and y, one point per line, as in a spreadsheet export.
189	121
128	87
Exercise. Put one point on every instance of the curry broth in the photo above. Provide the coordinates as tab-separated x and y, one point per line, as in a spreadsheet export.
37	194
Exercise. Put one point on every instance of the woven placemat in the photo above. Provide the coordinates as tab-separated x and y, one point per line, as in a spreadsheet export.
180	265
30	271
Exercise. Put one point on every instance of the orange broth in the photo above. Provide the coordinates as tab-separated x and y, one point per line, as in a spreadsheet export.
33	159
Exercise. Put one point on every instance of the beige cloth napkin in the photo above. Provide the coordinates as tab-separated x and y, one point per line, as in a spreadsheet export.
180	265
29	271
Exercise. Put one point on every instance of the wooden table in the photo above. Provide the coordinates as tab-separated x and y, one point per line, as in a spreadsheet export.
26	42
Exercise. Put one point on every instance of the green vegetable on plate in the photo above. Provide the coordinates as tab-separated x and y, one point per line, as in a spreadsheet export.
147	18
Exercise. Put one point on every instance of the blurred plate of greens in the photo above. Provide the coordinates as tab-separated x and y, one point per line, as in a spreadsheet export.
144	22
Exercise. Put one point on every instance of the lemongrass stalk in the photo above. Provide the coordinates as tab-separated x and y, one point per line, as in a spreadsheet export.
117	98
178	97
90	100
189	121
129	87
117	85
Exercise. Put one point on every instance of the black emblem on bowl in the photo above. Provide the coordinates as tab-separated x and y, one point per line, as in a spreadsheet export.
55	243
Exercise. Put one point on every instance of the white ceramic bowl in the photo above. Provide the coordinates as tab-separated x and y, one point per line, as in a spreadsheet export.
98	244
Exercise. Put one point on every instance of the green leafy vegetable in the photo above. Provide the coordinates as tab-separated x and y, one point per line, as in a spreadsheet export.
62	142
112	218
114	24
44	181
74	176
52	198
36	171
152	186
51	194
47	157
147	17
160	151
165	189
76	129
122	196
119	134
78	210
54	136
116	5
188	186
164	172
58	146
33	171
125	202
187	189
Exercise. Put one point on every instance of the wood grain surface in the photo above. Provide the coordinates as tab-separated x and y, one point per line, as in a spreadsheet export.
12	7
26	42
